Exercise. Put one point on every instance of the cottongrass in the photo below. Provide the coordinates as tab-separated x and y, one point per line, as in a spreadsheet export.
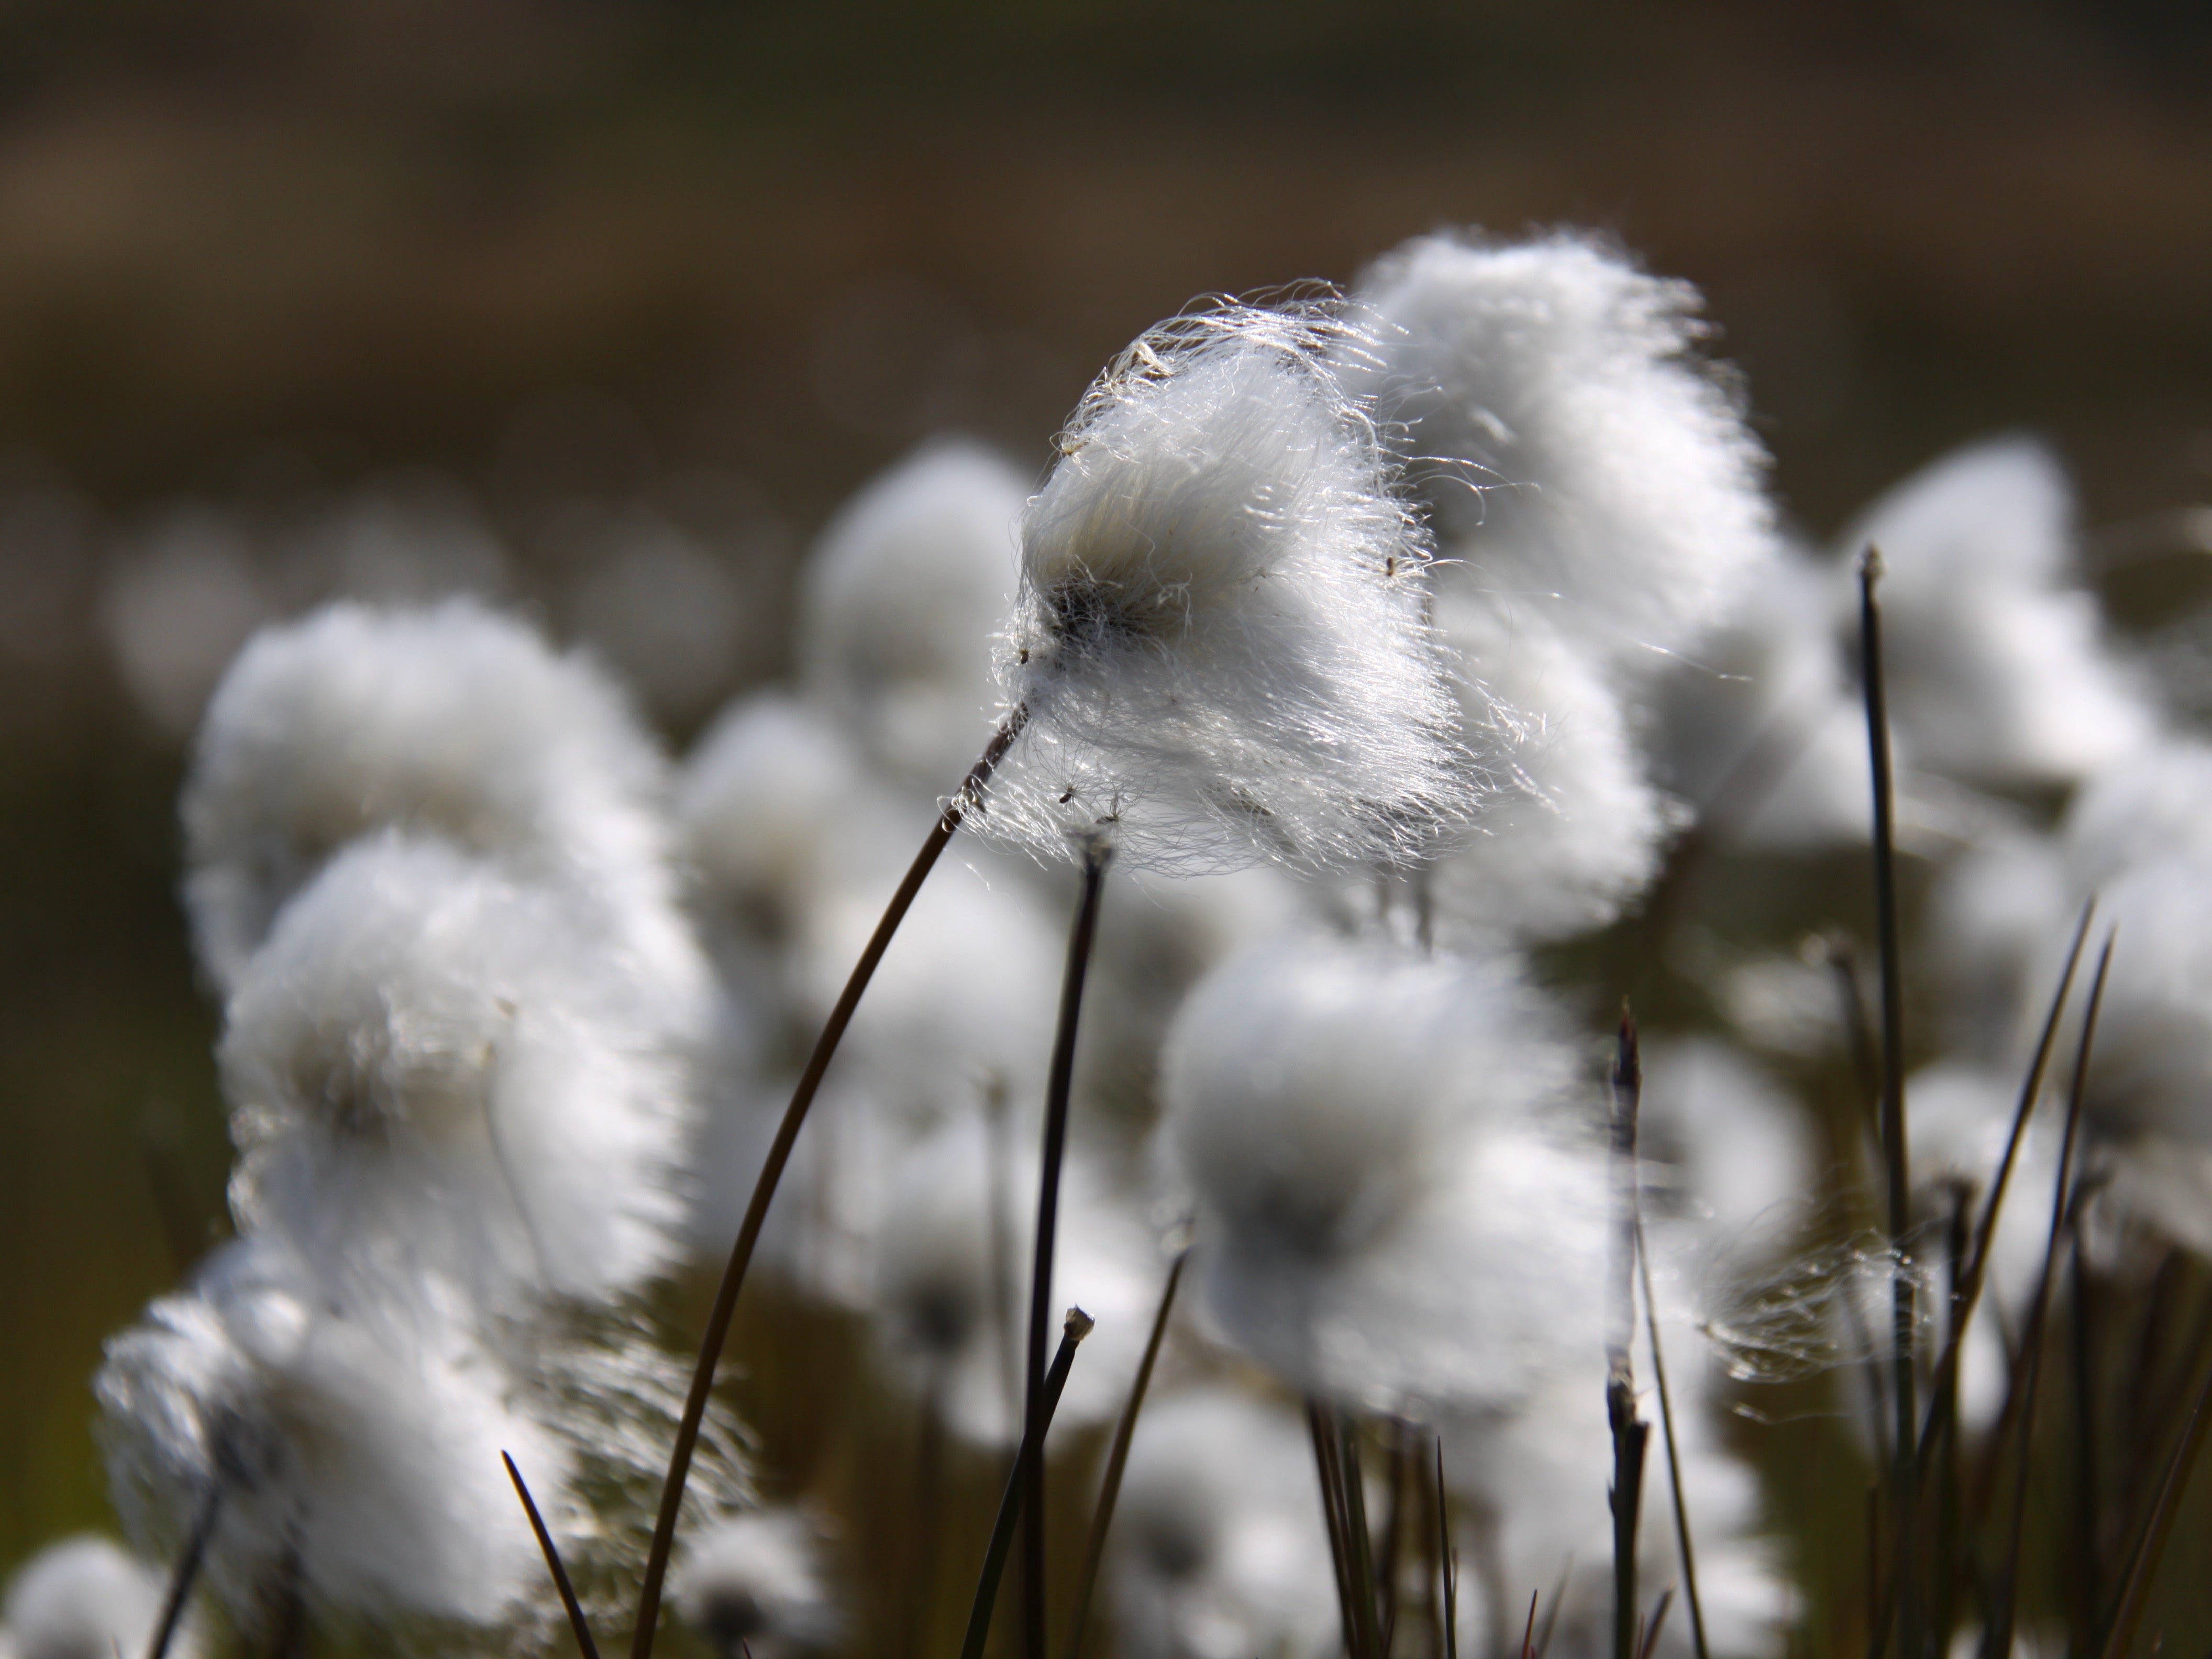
85	1598
1219	637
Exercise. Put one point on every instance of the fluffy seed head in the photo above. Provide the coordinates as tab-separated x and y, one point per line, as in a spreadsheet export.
755	1584
1219	634
902	597
1573	443
1996	670
452	722
1379	1212
431	1065
84	1598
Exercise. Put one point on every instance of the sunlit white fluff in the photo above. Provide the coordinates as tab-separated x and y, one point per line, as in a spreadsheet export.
1760	729
1573	443
899	604
1219	634
1998	920
84	1598
454	722
947	1301
431	1065
2155	805
1992	656
1573	831
755	1584
1218	1550
1379	1215
363	1436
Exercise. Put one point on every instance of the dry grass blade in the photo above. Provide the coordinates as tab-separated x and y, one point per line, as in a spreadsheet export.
1997	1638
1332	1513
1449	1561
1060	1087
1117	1459
187	1570
1072	1331
778	1154
577	1622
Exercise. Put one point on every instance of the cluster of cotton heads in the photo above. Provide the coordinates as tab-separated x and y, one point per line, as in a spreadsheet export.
1376	644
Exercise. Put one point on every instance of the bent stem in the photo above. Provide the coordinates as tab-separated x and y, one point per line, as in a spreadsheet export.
1117	1459
969	797
577	1622
1059	1086
1076	1327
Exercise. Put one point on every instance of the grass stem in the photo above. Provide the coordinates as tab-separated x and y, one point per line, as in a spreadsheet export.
1630	1435
574	1608
187	1569
969	797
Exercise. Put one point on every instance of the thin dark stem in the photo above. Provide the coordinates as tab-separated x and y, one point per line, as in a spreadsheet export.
1362	1553
1432	1565
1674	1454
1446	1561
1896	1166
1076	1327
187	1569
577	1622
1943	1614
1997	1639
970	796
1528	1629
1650	1642
1630	1435
1392	1524
1117	1459
1059	1086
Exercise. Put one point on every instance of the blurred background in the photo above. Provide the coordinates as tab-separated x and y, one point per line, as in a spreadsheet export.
603	307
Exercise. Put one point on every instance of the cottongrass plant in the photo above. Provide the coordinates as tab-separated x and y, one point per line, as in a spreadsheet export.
1460	601
87	1598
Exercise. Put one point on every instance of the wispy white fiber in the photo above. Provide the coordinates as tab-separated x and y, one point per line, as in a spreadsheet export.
1722	1142
1999	918
1572	831
432	1066
1218	634
1218	1550
1992	654
364	1438
454	722
1574	445
2155	805
85	1598
900	602
755	1584
1380	1215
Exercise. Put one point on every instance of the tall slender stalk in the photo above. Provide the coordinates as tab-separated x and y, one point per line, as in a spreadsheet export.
1630	1435
1073	1329
1329	1477
1356	1533
1997	1638
1448	1564
1674	1454
1117	1459
574	1608
969	797
2142	1565
2088	1575
187	1569
1896	1165
1059	1086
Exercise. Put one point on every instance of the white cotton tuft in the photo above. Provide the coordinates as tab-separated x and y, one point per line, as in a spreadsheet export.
1218	638
1763	733
84	1598
1999	918
1992	653
953	1274
901	597
1573	832
452	722
2155	805
756	1584
430	1066
1379	1215
1723	1142
1218	1550
1573	445
365	1439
